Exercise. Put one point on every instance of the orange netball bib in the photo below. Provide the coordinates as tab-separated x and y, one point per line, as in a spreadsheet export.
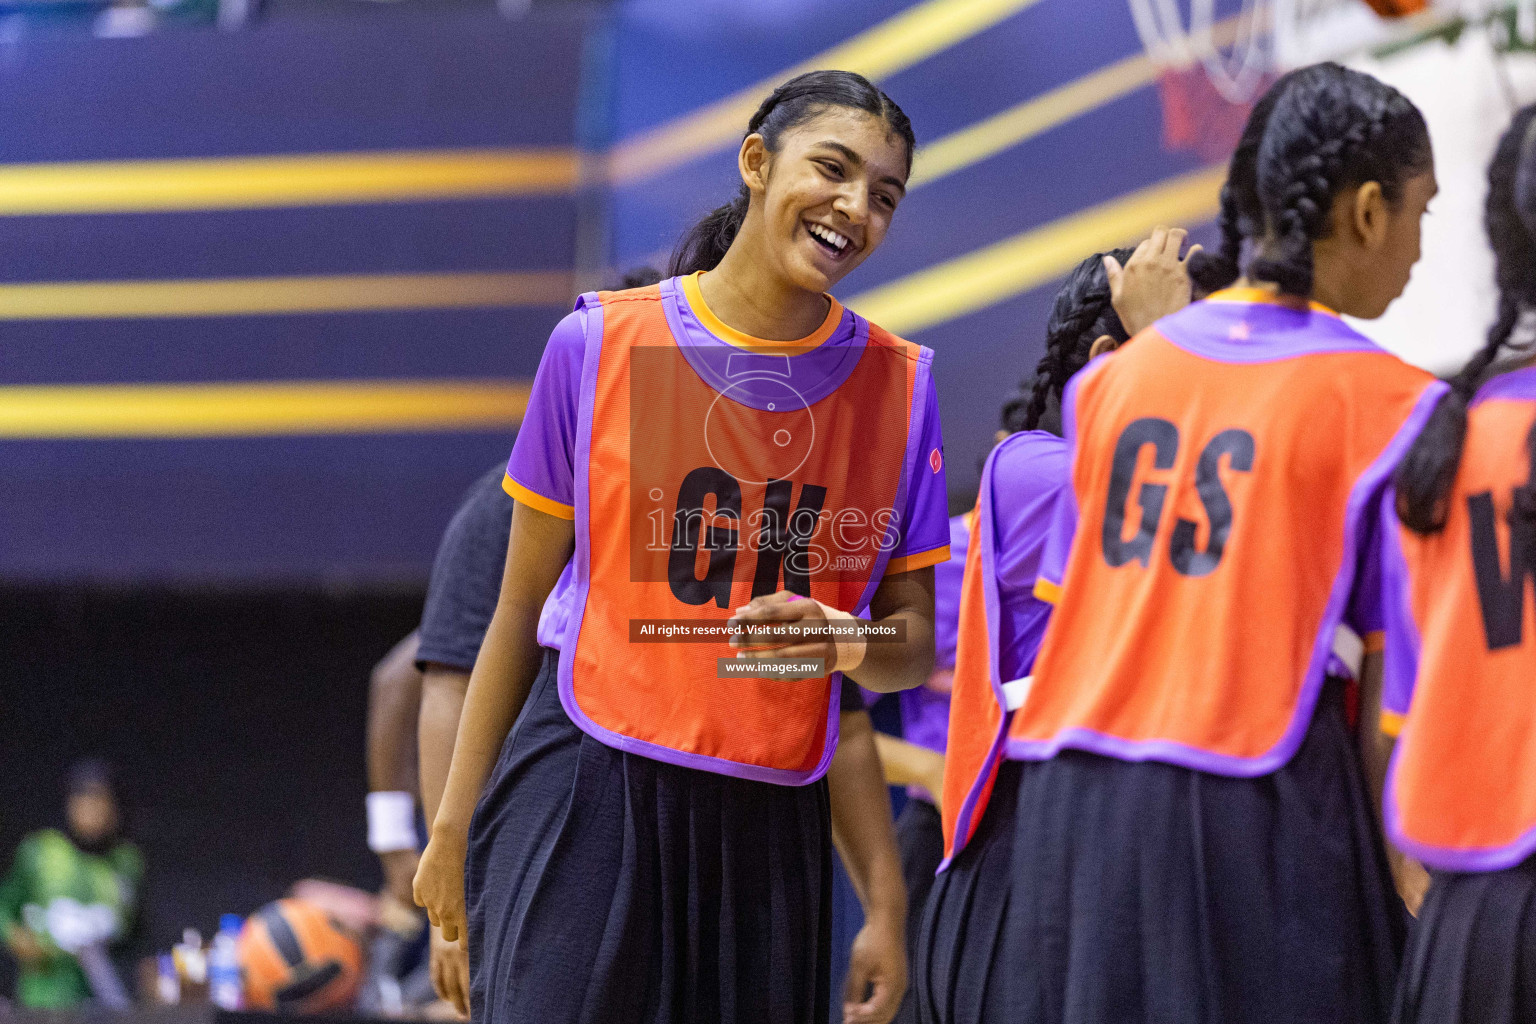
1224	463
1001	621
977	710
705	477
1462	794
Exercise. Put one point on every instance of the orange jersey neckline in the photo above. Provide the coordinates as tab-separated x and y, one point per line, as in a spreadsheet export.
731	336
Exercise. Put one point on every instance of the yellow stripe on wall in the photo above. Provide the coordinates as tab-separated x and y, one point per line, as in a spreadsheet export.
341	293
1032	258
1022	122
319	179
889	47
259	409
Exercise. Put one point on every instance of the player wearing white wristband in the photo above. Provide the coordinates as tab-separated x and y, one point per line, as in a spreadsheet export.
391	822
394	694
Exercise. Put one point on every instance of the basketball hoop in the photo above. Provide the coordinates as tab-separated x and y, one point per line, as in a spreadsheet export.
1238	78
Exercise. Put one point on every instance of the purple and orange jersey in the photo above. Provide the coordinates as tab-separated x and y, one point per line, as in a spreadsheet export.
1001	620
925	709
1461	654
1226	467
706	468
946	594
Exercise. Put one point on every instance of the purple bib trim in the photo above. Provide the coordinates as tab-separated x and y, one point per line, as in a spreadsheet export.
1514	386
1259	332
759	379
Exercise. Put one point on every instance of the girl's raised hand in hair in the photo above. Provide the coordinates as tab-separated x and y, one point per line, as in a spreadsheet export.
1154	282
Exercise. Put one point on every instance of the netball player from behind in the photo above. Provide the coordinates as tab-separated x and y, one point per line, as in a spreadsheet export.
958	946
1461	653
653	842
1192	816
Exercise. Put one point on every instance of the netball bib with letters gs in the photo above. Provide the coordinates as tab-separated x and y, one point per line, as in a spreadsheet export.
1224	462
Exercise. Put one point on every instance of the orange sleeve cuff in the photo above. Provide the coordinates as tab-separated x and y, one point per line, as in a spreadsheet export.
1375	642
536	501
921	560
1047	591
1392	722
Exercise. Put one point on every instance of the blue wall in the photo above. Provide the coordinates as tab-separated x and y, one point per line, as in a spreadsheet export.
1056	136
273	503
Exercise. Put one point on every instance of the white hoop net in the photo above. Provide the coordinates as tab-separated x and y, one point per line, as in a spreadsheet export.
1176	42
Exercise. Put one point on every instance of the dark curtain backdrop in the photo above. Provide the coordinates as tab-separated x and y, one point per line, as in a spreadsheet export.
235	724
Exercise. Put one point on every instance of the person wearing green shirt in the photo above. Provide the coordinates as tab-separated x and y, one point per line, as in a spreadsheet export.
69	897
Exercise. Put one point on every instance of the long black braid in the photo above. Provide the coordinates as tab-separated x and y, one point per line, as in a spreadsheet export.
1330	129
1425	475
1080	315
1242	216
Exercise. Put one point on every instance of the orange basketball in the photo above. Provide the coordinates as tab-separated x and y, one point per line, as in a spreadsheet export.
297	959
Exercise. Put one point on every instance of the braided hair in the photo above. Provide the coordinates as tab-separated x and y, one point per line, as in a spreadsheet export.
1242	216
1425	475
1329	129
788	106
1080	315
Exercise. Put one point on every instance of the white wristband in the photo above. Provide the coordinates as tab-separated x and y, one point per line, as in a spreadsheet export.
850	652
391	822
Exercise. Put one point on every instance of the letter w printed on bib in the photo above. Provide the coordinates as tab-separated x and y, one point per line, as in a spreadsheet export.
1461	642
706	478
1223	465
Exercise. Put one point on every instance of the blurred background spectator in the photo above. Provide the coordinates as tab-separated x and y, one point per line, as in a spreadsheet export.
70	896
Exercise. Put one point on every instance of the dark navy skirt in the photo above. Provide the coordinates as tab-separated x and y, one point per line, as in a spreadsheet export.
603	887
1472	954
1118	892
959	950
920	838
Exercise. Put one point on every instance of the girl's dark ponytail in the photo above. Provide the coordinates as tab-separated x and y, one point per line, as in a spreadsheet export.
791	104
1426	474
704	246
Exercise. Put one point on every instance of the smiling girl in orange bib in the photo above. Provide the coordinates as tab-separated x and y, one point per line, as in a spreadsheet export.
729	448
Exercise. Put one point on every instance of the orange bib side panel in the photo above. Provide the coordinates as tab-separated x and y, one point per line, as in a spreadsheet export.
975	707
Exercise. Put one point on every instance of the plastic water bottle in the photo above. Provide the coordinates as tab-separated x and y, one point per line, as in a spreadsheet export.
225	987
